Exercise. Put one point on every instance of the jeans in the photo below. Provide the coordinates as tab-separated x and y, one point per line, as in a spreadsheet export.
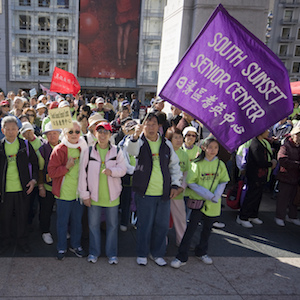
152	225
111	247
201	248
68	210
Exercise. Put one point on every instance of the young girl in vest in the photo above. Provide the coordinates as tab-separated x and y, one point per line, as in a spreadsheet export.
206	179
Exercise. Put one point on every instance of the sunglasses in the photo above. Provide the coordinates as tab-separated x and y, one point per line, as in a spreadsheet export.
192	135
72	131
103	131
30	115
5	105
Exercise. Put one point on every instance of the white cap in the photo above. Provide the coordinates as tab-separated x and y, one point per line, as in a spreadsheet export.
187	129
41	105
41	97
99	100
25	127
63	104
48	128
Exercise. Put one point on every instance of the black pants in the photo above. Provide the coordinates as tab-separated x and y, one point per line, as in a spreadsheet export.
201	248
46	208
17	204
252	201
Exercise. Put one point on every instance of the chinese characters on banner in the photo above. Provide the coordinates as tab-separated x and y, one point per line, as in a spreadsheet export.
61	118
64	82
229	80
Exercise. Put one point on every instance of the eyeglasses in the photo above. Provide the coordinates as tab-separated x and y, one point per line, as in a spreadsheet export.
103	131
192	135
72	131
30	115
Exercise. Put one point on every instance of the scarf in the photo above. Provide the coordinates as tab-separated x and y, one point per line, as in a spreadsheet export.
80	144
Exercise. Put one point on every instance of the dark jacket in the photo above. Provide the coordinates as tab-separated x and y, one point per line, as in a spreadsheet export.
289	162
22	162
258	162
143	169
45	151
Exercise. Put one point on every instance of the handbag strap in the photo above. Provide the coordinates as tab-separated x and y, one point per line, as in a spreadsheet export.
215	176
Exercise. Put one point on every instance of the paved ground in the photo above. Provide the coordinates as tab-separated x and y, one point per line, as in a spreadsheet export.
258	263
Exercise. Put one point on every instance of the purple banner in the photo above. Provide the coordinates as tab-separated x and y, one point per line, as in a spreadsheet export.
230	81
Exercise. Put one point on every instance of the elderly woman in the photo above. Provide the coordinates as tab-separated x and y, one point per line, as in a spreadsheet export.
190	136
177	204
102	191
259	167
288	176
31	114
63	168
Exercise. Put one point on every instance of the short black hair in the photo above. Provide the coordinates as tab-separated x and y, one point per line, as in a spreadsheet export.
150	116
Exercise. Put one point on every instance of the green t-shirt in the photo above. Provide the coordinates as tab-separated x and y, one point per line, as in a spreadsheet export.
192	153
36	144
155	185
13	183
184	163
202	173
103	192
68	189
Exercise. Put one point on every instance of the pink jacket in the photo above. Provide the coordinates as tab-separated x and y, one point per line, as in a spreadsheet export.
90	163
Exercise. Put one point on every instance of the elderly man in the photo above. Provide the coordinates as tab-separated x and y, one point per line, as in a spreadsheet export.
19	171
156	179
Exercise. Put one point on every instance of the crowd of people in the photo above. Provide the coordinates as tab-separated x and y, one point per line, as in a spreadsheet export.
115	169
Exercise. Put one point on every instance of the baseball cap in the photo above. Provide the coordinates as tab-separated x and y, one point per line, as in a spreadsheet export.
53	104
4	102
41	105
99	100
105	125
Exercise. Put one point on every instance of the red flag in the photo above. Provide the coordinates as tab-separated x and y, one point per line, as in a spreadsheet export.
64	82
295	87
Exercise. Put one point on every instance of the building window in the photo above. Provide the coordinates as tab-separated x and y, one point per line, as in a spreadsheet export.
44	3
298	34
44	67
44	46
63	24
63	3
62	46
25	68
288	15
25	22
283	50
44	23
25	45
296	67
24	2
285	34
297	51
62	65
